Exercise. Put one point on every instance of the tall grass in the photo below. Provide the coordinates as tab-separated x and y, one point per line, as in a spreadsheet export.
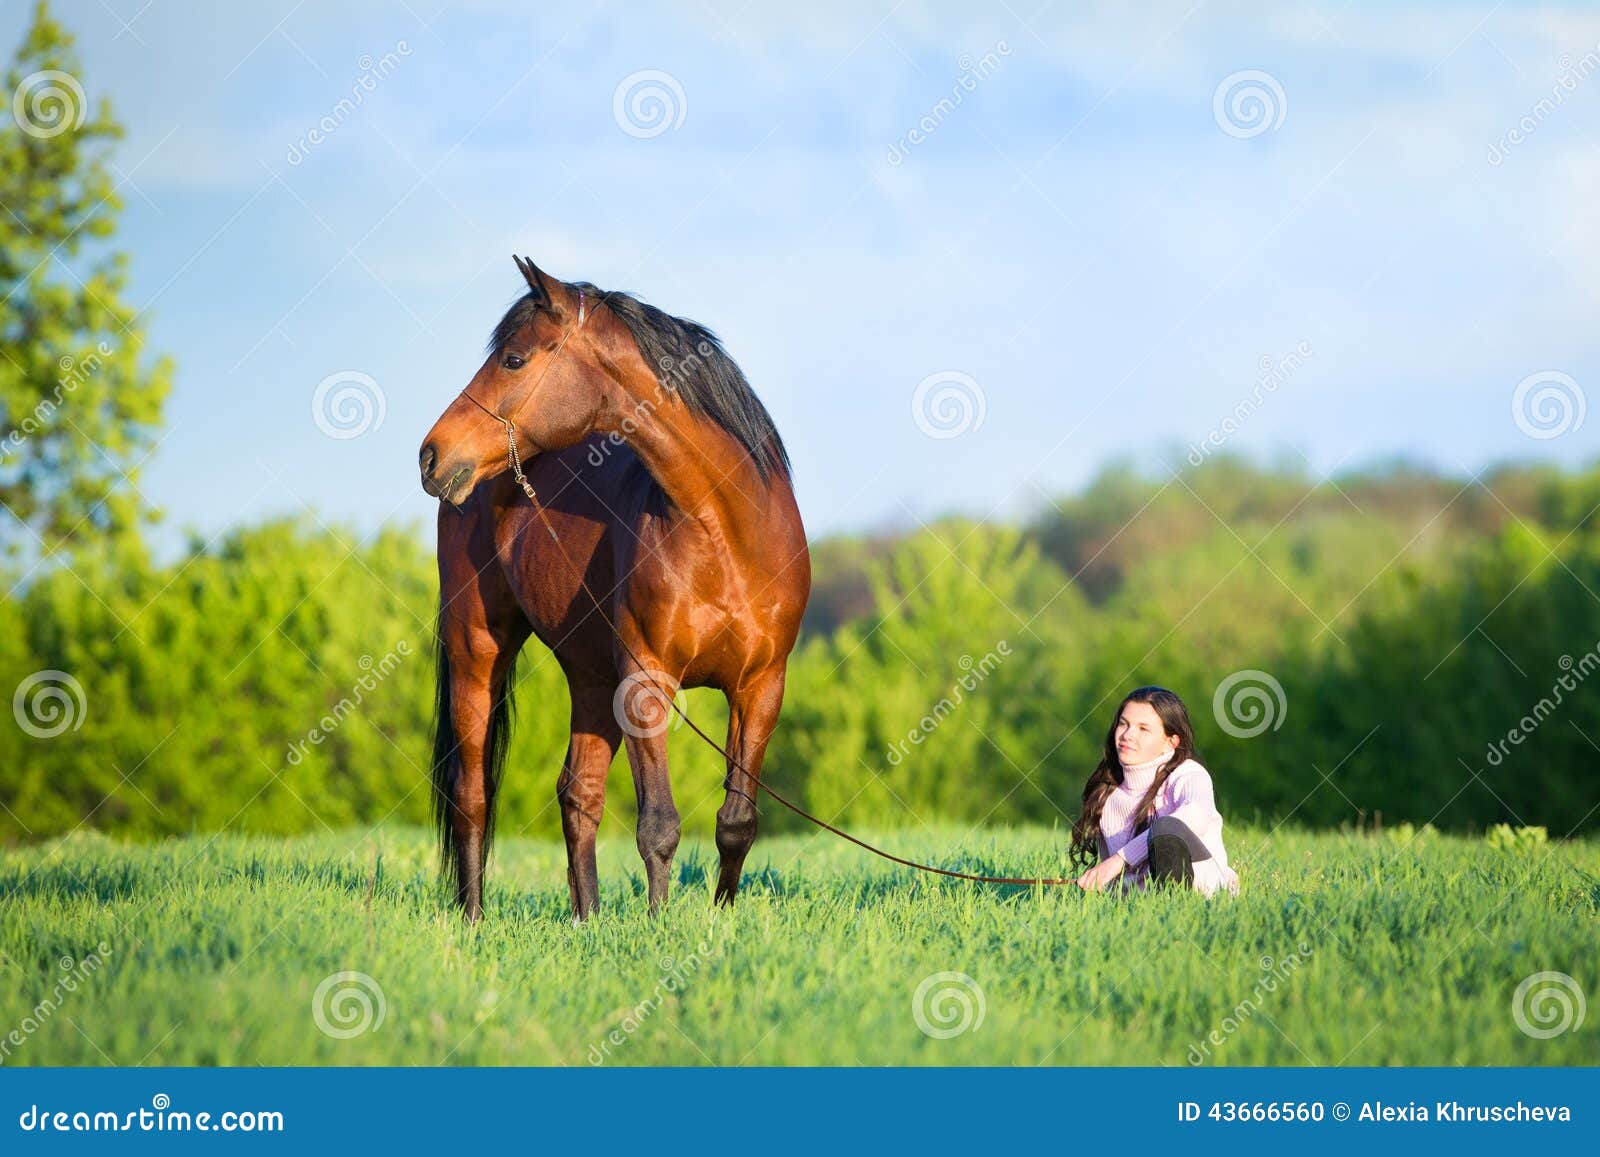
1379	949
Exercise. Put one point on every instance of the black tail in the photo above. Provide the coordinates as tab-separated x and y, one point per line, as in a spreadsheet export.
447	756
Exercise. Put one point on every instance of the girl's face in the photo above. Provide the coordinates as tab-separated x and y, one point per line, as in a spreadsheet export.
1140	735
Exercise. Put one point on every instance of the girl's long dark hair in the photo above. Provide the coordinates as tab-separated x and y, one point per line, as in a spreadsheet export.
1108	776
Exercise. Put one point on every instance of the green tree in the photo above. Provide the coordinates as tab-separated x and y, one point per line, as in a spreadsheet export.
948	700
79	405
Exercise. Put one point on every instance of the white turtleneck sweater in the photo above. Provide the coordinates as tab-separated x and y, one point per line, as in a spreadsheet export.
1187	795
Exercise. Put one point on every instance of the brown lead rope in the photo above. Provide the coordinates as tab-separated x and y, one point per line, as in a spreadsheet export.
527	488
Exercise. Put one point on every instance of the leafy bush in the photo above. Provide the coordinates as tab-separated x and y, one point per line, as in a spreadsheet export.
282	679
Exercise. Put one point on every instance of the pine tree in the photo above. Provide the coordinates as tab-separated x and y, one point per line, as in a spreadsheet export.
79	406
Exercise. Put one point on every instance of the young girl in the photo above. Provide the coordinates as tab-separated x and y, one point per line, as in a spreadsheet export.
1148	809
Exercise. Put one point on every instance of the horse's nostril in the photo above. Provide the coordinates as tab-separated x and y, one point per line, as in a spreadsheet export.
428	458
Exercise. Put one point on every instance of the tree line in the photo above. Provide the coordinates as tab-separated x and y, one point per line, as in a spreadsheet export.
1357	664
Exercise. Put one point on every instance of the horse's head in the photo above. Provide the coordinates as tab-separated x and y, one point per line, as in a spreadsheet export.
542	375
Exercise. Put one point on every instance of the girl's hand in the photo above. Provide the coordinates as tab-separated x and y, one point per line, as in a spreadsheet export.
1102	875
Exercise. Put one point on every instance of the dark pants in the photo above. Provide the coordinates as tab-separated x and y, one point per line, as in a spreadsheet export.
1174	851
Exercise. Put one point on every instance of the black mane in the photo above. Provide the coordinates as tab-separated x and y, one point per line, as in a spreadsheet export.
688	360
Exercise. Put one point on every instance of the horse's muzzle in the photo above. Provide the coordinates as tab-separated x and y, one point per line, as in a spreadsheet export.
432	483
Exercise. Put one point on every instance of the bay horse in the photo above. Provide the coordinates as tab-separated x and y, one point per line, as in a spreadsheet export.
673	556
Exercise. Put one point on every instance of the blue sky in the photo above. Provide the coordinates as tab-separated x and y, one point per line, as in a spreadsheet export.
1099	255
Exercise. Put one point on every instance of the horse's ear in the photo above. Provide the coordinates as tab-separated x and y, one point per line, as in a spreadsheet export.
535	279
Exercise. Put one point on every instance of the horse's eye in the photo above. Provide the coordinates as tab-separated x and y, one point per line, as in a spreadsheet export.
512	362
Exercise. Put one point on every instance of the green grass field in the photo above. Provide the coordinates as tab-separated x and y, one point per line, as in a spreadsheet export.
1343	949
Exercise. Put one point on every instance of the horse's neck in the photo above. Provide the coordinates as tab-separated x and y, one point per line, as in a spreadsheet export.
704	471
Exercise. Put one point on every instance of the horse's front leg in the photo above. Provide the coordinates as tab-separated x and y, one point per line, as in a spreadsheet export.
466	772
481	629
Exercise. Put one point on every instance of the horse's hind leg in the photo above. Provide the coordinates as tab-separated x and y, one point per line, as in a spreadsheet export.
581	788
752	714
643	706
